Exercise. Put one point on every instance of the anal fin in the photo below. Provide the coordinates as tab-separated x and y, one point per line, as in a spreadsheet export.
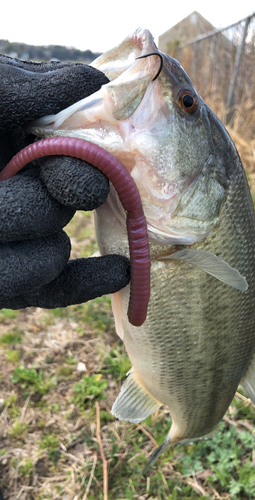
134	403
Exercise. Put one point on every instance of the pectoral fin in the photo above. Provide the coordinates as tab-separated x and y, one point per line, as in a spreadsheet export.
248	380
211	264
134	403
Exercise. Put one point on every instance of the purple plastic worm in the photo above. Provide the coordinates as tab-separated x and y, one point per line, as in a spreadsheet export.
128	195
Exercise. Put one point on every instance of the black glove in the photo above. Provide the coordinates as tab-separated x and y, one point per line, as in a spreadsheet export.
38	202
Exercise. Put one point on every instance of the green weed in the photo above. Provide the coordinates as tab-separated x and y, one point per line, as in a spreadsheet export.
98	313
50	442
117	364
13	356
18	429
89	388
243	411
65	371
26	467
70	360
105	416
226	455
8	314
49	359
29	378
11	403
13	337
41	424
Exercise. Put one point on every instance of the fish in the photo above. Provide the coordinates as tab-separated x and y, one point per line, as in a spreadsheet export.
197	343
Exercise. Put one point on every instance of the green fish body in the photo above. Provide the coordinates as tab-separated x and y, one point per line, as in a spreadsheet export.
198	340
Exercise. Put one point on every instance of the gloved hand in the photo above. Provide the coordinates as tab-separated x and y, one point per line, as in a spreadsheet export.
38	202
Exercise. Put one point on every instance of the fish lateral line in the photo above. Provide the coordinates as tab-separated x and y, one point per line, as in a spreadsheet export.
118	174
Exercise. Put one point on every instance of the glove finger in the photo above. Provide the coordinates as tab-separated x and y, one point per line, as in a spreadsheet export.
80	281
30	90
28	264
27	211
73	182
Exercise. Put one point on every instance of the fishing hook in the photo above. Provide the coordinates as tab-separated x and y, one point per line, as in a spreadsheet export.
161	62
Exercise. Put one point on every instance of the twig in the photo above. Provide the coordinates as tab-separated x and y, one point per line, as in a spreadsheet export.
147	434
216	494
90	478
229	421
24	409
104	461
196	486
245	400
24	488
3	372
72	457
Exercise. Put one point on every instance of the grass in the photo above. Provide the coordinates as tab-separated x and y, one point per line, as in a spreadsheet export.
13	356
57	431
51	444
117	364
12	337
58	437
88	389
30	378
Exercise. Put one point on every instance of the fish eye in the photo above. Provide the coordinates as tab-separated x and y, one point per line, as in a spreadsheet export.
188	101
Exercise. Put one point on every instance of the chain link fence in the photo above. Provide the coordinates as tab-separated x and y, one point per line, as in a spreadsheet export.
221	65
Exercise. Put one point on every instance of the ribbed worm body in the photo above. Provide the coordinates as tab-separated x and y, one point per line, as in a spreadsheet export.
128	195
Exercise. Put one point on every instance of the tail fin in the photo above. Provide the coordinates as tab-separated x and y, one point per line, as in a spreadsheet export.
167	443
171	440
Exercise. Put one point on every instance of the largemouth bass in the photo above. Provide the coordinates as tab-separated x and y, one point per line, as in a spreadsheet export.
198	340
